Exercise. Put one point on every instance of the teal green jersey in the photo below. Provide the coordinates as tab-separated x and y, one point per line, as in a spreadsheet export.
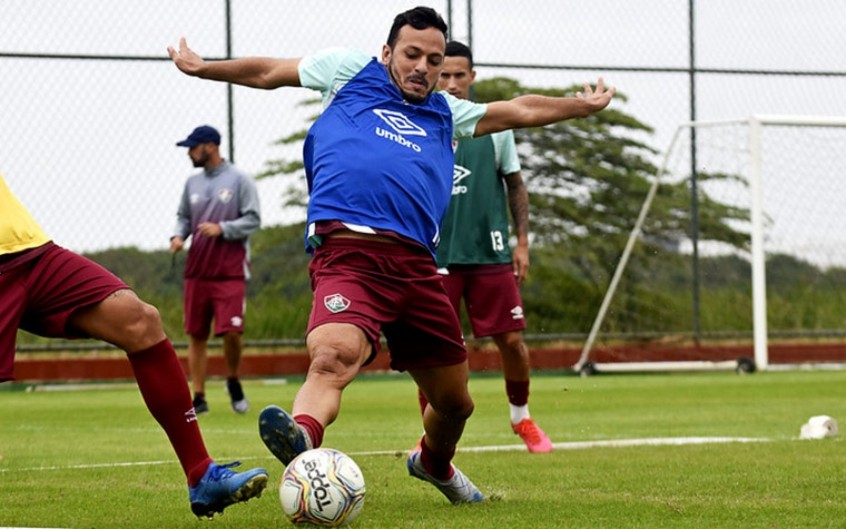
475	228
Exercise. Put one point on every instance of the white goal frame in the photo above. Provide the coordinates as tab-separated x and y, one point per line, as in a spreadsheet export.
755	124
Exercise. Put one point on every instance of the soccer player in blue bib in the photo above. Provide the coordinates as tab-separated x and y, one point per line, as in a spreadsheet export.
379	165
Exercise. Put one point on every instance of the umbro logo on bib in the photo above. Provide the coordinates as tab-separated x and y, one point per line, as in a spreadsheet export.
459	173
399	122
401	126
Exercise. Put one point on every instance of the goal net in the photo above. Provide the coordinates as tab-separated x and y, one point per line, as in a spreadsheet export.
738	256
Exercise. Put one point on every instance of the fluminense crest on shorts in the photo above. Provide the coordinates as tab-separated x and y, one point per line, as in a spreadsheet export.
336	303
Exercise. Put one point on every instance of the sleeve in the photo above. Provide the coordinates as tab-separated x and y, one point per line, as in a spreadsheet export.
328	70
183	216
506	149
465	115
249	220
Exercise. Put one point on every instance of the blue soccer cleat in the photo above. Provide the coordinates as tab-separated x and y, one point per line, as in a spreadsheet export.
457	489
282	435
221	487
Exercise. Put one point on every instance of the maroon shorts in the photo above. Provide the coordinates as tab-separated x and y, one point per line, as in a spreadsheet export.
41	294
491	297
221	300
392	288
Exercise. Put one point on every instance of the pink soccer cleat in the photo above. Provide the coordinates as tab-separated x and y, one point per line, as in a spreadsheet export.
533	436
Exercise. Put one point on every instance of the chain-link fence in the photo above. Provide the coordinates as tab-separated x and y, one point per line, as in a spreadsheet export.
91	105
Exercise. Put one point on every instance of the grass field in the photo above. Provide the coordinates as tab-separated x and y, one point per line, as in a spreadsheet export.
95	458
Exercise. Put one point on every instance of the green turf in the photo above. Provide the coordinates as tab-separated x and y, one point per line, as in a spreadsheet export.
96	459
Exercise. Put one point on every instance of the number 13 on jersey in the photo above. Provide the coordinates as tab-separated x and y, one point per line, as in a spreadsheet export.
497	241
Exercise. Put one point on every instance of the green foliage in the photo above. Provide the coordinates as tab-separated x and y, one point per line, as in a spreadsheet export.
155	276
279	291
587	179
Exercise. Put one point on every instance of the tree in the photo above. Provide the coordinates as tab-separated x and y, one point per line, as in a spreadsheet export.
587	179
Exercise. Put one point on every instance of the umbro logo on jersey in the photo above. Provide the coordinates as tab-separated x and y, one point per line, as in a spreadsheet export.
399	122
336	303
401	125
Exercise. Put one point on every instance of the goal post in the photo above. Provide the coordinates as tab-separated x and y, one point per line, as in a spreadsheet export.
743	142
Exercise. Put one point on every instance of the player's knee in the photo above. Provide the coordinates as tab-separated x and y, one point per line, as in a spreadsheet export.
511	343
454	406
142	320
333	362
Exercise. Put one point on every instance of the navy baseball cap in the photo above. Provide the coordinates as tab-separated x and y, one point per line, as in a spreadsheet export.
202	134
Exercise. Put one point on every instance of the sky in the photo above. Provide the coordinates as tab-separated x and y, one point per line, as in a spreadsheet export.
89	146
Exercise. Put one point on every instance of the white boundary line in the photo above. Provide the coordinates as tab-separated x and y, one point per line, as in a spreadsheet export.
576	445
581	445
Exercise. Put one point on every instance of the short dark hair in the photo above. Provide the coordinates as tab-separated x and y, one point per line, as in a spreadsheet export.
459	49
419	18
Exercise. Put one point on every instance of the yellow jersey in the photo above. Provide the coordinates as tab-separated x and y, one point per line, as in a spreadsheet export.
18	230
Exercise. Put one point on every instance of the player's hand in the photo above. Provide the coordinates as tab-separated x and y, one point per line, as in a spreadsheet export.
597	98
176	244
520	261
186	59
210	229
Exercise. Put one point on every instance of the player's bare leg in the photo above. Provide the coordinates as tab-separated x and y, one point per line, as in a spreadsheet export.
336	352
198	361
121	319
232	347
449	407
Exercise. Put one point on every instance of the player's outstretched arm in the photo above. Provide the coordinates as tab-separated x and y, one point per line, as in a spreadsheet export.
255	72
536	111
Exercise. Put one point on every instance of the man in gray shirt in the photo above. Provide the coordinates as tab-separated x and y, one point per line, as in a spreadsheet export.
219	209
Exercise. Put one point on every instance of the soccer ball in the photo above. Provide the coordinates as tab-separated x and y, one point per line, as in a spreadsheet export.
322	487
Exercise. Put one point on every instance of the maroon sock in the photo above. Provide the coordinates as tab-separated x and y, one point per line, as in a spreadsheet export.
164	387
421	399
438	466
517	391
312	427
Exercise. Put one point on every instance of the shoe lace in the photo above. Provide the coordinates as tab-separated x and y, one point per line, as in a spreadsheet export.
223	471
